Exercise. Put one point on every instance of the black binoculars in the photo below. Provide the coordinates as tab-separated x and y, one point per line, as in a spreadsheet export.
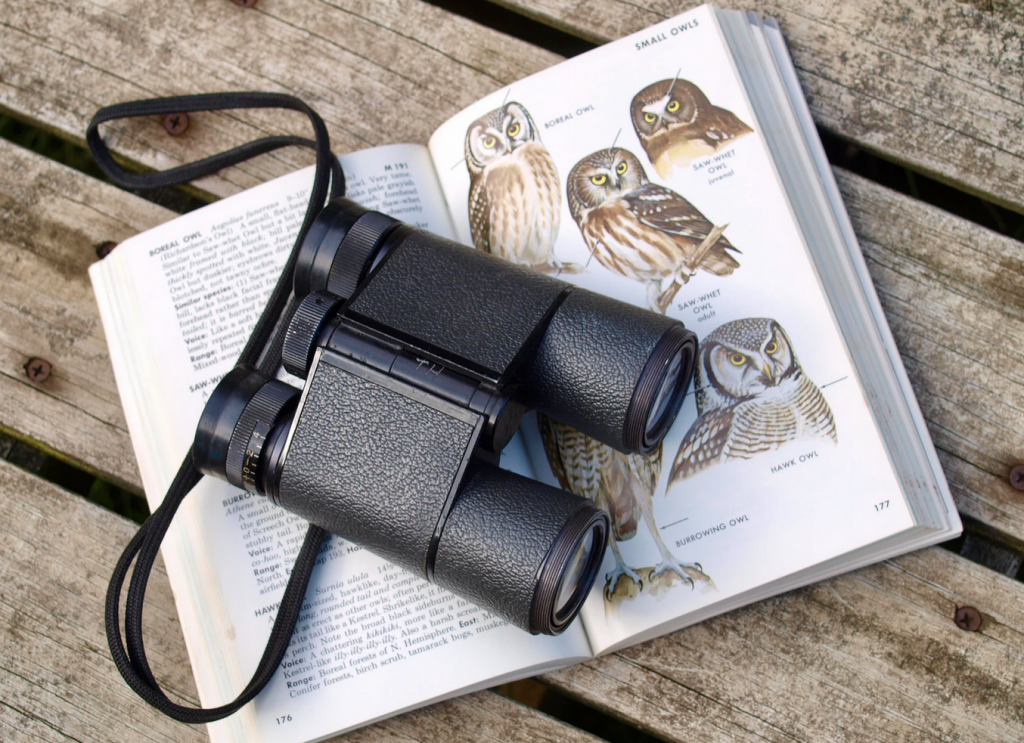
421	357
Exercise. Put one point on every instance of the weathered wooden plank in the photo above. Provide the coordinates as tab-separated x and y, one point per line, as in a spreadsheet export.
1011	10
954	294
873	655
937	85
57	681
53	220
377	72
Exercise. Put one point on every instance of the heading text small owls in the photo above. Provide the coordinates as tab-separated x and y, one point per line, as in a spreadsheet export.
676	122
515	201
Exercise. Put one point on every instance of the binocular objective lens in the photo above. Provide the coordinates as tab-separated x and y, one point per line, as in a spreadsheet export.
666	392
575	572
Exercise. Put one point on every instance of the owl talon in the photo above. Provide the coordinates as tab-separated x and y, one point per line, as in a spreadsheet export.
677	567
612	577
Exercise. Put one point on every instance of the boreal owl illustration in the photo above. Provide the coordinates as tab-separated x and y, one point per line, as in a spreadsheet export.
642	230
676	123
515	203
621	484
752	396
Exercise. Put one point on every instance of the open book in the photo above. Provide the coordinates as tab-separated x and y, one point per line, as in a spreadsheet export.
677	169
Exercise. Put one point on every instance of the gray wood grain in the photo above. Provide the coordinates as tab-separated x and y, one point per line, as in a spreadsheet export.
53	220
936	85
376	72
58	683
872	655
953	293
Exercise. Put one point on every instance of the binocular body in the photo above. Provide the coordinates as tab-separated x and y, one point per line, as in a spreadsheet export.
421	356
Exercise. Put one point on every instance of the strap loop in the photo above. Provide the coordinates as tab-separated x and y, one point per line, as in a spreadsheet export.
263	350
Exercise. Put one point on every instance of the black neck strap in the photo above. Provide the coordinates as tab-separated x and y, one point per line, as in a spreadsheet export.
263	350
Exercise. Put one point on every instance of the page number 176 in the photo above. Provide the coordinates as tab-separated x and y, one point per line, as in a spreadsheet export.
882	506
283	720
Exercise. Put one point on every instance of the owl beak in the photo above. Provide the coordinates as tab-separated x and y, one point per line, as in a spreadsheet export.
768	372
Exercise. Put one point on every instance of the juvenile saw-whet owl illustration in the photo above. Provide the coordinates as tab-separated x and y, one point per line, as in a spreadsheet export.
515	201
676	123
621	484
752	396
642	230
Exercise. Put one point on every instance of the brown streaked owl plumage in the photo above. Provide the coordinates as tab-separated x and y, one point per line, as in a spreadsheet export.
639	229
515	203
752	396
621	484
676	123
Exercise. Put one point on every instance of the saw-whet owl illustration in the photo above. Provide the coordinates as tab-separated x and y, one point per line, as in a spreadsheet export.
642	230
623	485
515	201
676	123
752	396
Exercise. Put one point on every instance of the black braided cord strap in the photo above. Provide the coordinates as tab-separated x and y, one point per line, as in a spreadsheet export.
263	349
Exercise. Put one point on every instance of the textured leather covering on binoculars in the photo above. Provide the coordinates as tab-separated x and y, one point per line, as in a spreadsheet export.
464	303
372	464
374	460
497	535
590	361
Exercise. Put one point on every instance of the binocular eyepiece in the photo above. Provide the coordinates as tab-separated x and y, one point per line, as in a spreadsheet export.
420	357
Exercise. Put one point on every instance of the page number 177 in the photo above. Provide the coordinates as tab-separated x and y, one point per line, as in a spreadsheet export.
882	506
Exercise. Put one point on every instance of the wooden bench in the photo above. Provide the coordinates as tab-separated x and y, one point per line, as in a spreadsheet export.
937	85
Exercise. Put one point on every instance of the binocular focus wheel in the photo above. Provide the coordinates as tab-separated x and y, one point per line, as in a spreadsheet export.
309	319
356	252
255	422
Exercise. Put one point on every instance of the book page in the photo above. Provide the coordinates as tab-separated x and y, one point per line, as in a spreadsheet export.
178	303
639	170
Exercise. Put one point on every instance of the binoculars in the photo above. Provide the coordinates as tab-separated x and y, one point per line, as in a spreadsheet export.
421	357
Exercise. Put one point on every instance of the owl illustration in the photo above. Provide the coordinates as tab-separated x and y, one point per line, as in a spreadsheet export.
515	203
676	123
752	396
621	484
642	230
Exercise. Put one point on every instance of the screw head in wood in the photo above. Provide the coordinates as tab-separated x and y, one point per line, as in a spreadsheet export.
38	369
1017	477
103	249
968	618
176	124
244	3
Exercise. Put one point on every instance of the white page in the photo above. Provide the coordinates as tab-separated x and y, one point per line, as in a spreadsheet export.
373	640
746	522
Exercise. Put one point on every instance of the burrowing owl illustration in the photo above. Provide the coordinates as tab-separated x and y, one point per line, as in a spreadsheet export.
515	203
642	230
621	484
752	396
676	122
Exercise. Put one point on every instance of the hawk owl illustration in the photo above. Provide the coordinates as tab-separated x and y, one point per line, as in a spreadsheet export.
752	396
641	230
621	484
515	202
676	123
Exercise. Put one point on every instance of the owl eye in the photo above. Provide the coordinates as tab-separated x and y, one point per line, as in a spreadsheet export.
738	359
771	347
672	107
650	118
599	180
489	142
514	130
621	168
